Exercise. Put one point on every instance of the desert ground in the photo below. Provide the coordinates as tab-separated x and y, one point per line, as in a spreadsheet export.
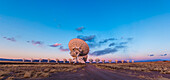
100	71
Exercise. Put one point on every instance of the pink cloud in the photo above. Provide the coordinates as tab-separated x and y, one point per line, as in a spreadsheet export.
62	49
39	43
55	45
10	39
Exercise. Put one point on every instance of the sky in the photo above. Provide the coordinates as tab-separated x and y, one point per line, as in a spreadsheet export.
113	29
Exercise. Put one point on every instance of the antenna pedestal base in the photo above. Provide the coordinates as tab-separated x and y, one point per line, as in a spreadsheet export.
80	59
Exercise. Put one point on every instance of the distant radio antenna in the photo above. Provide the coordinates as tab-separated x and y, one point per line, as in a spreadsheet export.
97	60
91	60
116	61
103	61
57	60
133	61
122	61
48	60
23	60
31	59
110	61
70	60
40	60
64	60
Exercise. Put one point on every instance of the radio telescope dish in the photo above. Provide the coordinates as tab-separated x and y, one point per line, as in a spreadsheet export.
79	50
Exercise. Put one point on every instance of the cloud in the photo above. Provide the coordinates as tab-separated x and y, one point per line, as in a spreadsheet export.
107	50
118	47
112	44
129	39
39	43
87	38
10	39
106	40
55	45
163	54
122	43
62	49
103	52
80	29
91	40
151	55
92	45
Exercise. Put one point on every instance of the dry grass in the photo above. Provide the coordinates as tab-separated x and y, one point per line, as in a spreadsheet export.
162	67
74	71
1	77
10	78
33	71
163	79
141	76
83	69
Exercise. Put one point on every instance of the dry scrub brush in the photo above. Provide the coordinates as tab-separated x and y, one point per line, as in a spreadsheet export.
19	71
162	67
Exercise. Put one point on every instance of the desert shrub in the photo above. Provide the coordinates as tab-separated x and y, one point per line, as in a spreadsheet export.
162	67
28	74
46	69
20	71
1	77
10	78
3	73
44	74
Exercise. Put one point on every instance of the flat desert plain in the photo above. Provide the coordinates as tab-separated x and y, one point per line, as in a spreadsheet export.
101	71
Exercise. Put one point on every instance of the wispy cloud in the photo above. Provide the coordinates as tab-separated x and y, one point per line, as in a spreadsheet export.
80	29
103	52
129	39
112	44
93	44
116	47
151	55
100	43
106	40
10	39
62	49
55	45
107	51
120	46
163	55
123	43
87	38
36	43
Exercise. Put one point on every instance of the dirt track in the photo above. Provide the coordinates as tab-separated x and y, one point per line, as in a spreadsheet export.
90	72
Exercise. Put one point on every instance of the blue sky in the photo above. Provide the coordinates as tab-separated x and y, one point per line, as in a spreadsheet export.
146	22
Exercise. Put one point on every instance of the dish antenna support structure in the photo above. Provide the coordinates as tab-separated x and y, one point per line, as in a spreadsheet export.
78	50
